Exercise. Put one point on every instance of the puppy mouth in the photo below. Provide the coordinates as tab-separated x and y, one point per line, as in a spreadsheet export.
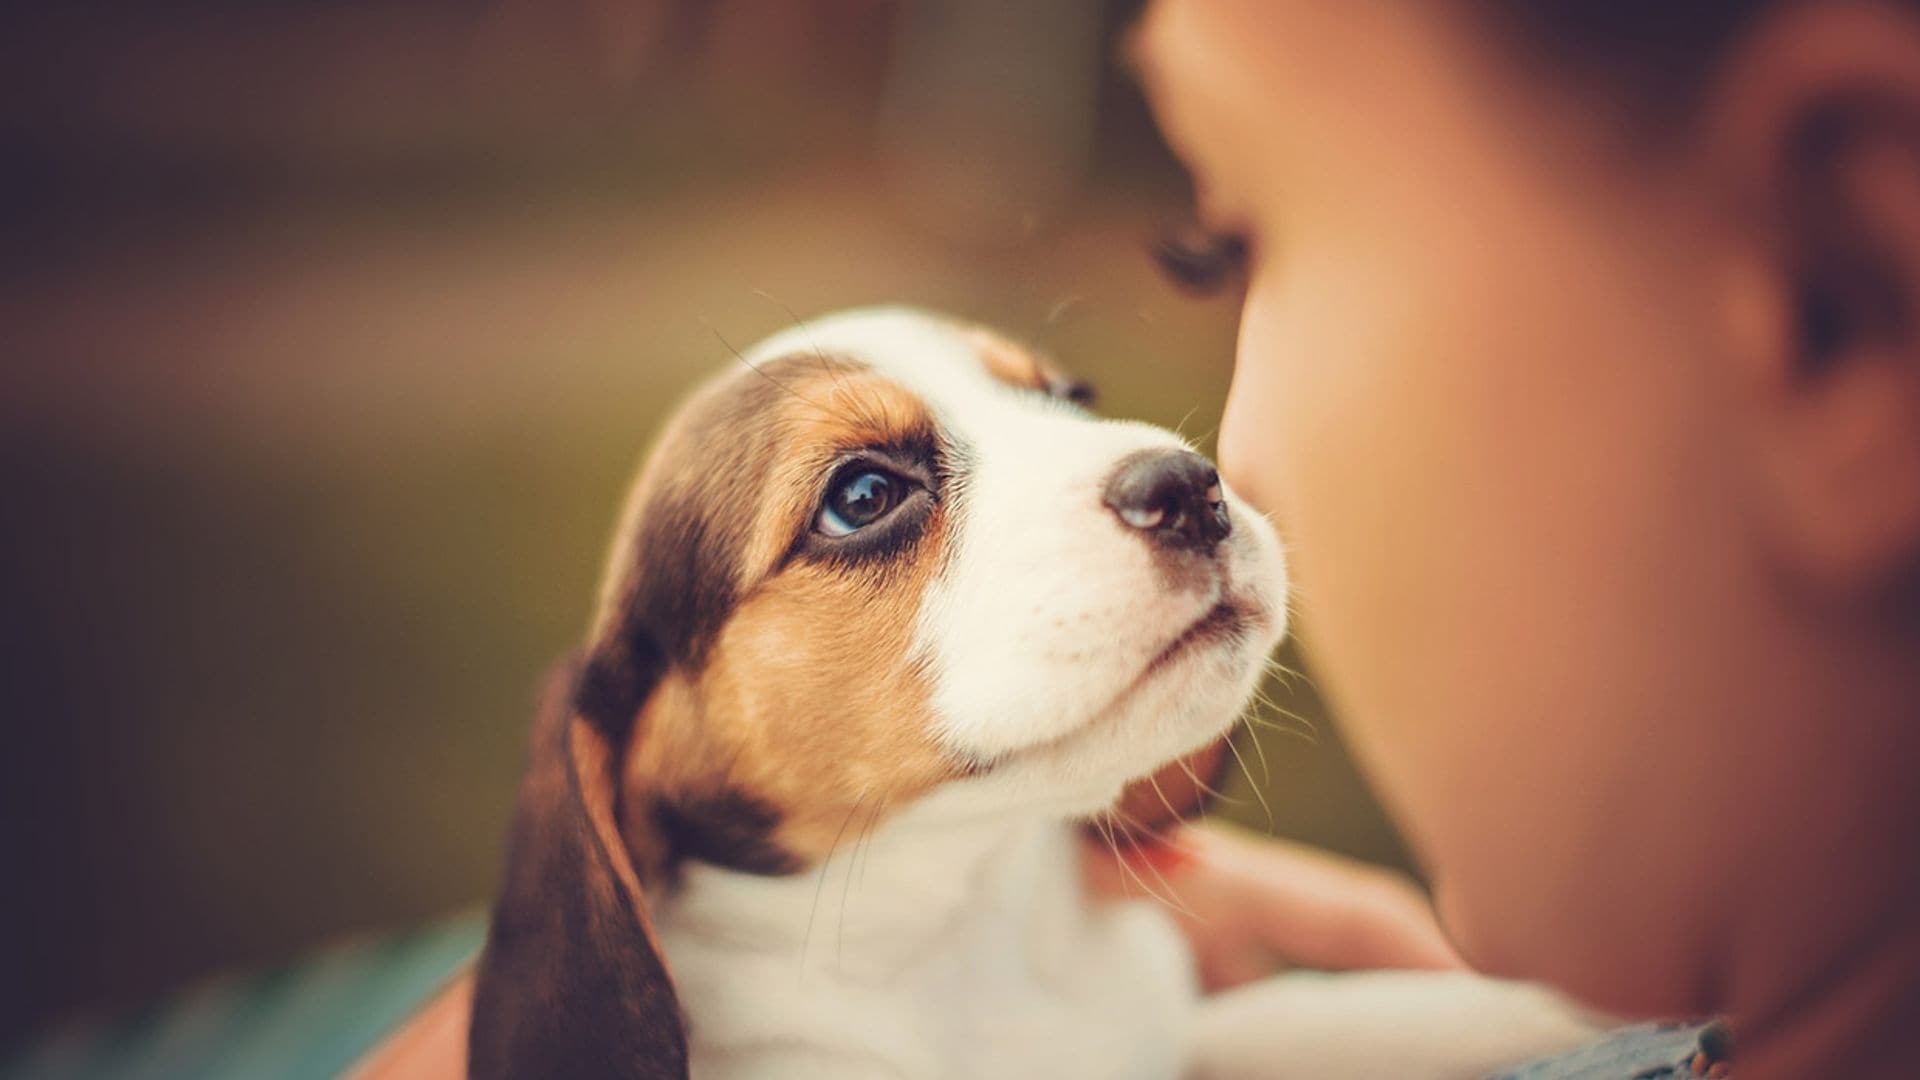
1225	619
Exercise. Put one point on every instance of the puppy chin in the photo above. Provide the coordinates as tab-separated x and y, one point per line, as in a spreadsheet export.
1195	701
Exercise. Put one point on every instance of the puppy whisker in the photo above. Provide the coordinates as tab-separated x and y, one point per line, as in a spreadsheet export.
1137	826
1262	723
1172	898
1203	785
1301	726
821	885
865	855
1266	769
1172	901
1061	306
1258	794
860	405
1153	781
806	331
1180	428
863	840
1042	334
1276	663
1105	825
863	405
758	370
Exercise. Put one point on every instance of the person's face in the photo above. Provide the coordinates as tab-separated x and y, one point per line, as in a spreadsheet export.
1467	388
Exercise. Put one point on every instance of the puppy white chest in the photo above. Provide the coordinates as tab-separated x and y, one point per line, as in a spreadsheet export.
907	961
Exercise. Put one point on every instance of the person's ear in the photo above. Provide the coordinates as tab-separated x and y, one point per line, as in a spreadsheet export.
1813	126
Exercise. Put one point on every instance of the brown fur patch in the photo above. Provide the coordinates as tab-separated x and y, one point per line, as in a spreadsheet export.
1023	368
1006	361
808	702
786	705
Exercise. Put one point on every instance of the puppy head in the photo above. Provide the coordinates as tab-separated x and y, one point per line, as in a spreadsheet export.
890	556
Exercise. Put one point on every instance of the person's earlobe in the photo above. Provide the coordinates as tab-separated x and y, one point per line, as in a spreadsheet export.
1815	120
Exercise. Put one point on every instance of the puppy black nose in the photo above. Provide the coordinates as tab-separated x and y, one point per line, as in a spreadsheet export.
1172	496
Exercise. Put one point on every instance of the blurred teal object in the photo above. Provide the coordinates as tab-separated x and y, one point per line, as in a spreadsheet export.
315	1018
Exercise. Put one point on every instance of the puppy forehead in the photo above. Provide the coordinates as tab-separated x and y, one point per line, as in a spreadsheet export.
950	365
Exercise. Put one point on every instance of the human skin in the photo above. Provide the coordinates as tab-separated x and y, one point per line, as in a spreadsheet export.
1596	574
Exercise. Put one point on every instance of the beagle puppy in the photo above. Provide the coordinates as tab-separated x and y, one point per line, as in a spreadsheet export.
888	613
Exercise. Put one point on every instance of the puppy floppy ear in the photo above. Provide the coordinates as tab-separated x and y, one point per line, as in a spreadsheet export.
572	982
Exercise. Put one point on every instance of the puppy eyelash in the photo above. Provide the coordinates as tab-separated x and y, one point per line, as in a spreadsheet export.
1201	261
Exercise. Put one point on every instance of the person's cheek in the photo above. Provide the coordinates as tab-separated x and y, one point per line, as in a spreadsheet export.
1282	433
1333	425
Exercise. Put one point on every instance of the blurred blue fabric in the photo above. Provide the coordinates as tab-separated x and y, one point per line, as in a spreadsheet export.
313	1019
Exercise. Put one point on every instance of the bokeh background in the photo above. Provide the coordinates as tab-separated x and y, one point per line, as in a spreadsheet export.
329	335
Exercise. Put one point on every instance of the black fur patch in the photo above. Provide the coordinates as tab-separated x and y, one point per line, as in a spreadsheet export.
615	681
682	579
729	829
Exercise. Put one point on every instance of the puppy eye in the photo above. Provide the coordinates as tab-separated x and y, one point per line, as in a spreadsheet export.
858	499
1201	261
1078	391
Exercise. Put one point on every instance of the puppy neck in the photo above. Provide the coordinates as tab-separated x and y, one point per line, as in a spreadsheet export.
947	866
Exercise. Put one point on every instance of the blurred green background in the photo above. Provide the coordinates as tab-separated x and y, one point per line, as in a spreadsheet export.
332	333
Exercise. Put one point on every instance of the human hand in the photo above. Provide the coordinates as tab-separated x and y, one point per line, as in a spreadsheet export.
1251	904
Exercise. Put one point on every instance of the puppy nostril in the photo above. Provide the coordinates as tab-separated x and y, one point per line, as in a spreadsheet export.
1172	496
